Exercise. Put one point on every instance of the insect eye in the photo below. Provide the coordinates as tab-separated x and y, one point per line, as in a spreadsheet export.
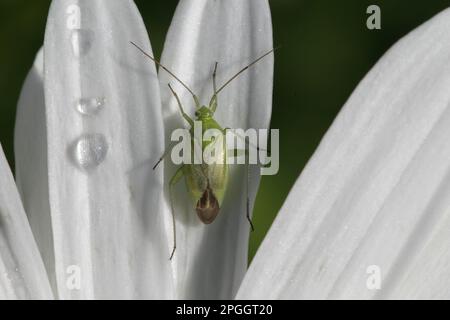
197	113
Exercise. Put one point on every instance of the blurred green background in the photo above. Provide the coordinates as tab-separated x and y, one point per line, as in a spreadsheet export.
326	50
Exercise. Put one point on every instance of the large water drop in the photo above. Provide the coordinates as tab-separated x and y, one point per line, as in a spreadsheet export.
90	150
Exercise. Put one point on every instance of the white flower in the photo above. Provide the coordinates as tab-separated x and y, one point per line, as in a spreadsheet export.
99	213
374	200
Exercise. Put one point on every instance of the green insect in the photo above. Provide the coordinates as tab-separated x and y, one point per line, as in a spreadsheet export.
206	184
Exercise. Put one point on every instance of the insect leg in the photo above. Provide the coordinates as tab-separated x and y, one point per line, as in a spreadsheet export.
238	153
166	152
247	143
173	181
248	197
214	101
214	77
185	116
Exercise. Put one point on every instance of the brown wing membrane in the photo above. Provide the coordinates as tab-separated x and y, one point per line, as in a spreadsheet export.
208	206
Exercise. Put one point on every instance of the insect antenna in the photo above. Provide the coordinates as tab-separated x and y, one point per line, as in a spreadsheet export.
245	68
197	103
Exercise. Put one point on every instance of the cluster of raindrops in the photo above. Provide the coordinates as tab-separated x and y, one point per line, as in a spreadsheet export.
89	150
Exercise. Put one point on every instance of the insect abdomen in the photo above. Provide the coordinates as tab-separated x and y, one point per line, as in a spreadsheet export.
207	206
207	185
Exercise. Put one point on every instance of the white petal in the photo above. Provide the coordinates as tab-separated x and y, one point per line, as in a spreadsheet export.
211	260
30	144
22	273
376	192
104	129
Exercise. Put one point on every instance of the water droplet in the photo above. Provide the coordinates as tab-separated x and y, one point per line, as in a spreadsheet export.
90	106
90	150
81	41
